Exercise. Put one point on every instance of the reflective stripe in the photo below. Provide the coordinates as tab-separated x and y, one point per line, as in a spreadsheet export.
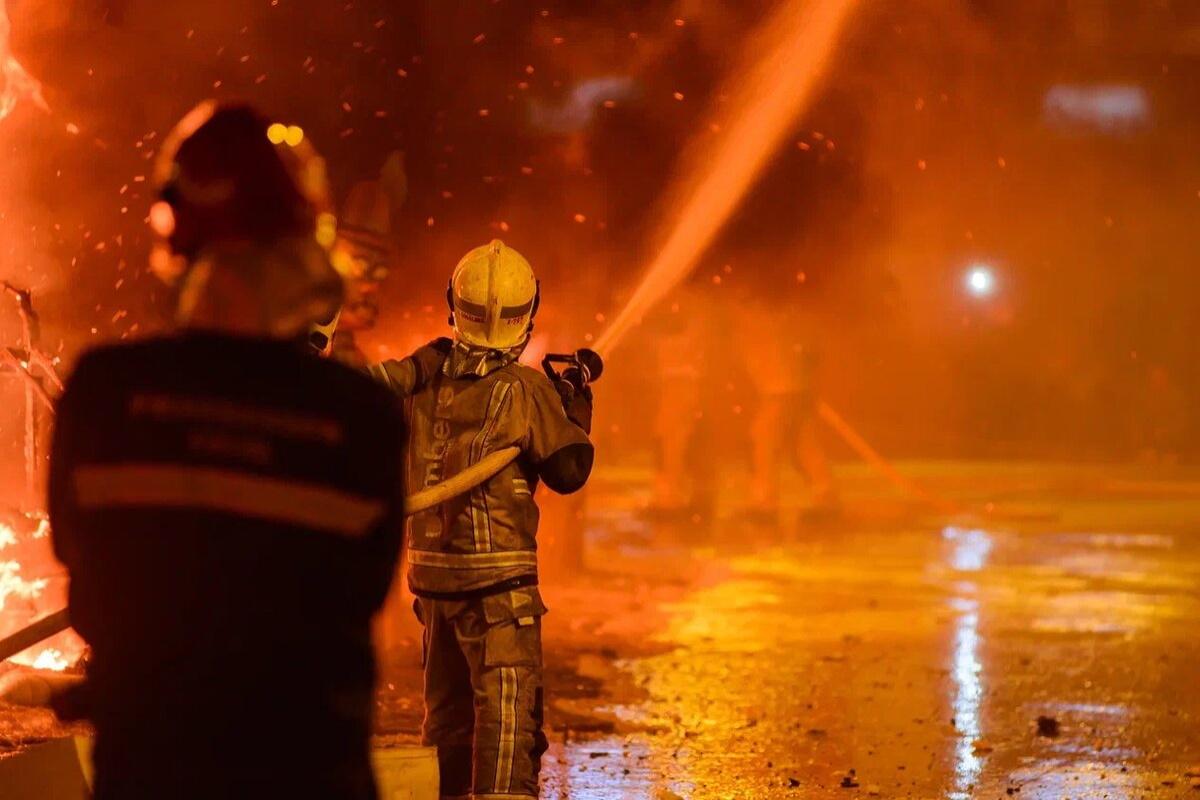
277	422
379	372
507	747
481	519
227	491
512	558
478	313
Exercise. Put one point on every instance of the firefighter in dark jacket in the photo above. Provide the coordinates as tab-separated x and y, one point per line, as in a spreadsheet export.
227	502
473	560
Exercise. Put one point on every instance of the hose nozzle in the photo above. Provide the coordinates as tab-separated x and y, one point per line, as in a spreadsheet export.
584	366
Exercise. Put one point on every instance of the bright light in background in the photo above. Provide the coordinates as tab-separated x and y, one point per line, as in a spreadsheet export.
1112	108
981	281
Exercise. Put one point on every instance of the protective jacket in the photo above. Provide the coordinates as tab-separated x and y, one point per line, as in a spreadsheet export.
228	508
464	403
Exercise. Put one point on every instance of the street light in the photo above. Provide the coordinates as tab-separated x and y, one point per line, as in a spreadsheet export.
980	281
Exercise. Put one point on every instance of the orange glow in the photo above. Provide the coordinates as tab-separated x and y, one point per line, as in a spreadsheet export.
50	658
12	583
294	136
25	560
17	84
162	219
767	93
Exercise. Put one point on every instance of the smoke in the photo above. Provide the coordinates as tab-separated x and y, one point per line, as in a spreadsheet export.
560	129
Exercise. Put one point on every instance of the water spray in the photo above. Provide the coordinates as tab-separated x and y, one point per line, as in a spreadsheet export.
768	91
15	83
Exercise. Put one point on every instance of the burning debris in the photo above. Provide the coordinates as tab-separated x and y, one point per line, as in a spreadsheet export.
23	597
23	534
27	591
11	582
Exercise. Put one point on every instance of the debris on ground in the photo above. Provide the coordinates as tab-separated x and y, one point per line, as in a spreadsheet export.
1047	726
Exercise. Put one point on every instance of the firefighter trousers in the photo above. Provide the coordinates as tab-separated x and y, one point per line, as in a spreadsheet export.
483	693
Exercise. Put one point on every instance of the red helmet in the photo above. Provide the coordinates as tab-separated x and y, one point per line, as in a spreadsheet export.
226	173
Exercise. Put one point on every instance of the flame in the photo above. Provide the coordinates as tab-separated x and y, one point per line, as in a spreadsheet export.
13	585
11	582
17	84
51	658
7	536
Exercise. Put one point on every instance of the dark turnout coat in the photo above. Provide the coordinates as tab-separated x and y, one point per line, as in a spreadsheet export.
457	417
229	510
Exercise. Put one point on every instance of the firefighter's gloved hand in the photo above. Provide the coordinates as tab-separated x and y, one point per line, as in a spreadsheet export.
577	402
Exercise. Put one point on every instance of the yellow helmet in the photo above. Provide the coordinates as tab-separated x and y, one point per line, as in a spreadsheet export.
493	296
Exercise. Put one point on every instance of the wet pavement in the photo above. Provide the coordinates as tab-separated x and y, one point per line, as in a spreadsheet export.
1046	646
1023	654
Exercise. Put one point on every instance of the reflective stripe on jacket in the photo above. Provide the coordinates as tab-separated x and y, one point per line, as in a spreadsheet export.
488	535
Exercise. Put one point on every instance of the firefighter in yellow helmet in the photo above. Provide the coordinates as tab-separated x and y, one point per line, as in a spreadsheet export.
473	560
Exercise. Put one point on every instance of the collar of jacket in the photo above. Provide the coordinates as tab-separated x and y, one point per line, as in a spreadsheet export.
466	359
275	289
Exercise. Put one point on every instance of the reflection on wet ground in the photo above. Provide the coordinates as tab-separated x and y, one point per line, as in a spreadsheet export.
921	661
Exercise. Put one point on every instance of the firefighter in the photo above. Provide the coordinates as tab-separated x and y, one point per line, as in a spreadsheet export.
472	560
684	487
783	374
226	502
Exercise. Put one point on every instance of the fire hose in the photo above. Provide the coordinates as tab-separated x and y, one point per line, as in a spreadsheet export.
479	472
584	366
589	367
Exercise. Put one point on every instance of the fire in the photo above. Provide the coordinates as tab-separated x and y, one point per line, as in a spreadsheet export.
31	596
13	585
17	84
51	658
11	582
